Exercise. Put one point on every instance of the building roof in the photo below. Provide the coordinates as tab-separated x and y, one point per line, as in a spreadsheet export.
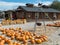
38	9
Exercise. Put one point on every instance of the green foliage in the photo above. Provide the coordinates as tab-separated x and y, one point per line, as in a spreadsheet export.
55	5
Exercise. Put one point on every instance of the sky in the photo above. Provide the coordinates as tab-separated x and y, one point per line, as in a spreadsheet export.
13	4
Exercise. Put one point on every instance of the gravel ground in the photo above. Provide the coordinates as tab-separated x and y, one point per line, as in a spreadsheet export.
51	32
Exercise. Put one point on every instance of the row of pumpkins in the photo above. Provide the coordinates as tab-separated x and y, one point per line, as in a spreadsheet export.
57	24
24	37
9	22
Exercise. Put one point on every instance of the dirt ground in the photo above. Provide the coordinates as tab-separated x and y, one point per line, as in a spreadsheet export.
51	32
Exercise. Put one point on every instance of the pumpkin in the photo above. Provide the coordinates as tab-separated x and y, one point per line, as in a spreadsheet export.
45	39
34	34
31	34
8	34
18	44
32	41
24	41
38	41
7	40
42	39
19	38
28	33
3	32
26	37
2	37
10	43
12	37
25	44
22	35
44	36
15	43
16	34
30	37
12	33
37	37
2	42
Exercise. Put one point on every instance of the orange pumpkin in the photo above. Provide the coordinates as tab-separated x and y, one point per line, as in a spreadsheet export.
18	44
38	41
2	37
28	33
15	43
19	38
8	34
45	39
10	43
22	35
26	37
20	30
30	37
34	34
42	39
24	41
7	40
12	37
44	36
2	42
32	41
3	32
37	37
25	44
16	34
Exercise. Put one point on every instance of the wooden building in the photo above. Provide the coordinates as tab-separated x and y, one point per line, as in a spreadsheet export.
30	12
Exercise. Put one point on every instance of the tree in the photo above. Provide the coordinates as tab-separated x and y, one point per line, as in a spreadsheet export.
55	5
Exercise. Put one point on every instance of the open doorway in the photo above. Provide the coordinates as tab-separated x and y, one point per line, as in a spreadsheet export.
14	17
6	16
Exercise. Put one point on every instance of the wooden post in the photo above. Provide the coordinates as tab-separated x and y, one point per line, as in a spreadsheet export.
43	22
55	16
11	15
36	18
3	13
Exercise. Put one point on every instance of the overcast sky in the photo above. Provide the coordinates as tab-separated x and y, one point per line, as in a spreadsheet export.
13	4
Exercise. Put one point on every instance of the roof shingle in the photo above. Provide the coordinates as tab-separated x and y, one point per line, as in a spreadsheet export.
38	9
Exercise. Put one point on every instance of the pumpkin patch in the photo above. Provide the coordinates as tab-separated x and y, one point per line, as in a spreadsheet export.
21	36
